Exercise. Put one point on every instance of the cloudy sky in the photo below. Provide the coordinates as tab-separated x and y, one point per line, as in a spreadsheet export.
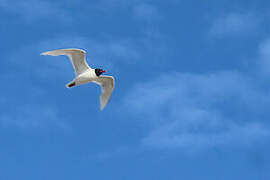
192	95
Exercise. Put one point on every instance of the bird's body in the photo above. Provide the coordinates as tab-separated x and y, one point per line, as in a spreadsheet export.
84	78
85	74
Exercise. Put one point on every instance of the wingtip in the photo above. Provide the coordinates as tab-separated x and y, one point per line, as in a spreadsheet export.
43	54
101	108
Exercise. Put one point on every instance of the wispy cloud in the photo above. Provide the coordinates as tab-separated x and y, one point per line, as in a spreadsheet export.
116	4
264	57
235	24
32	116
24	110
197	111
23	104
34	9
146	12
149	17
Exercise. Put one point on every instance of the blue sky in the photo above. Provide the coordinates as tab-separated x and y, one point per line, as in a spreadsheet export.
191	100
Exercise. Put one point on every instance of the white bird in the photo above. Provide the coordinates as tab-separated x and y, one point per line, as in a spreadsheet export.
85	74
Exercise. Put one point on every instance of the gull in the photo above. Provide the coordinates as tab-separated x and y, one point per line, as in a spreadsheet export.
85	74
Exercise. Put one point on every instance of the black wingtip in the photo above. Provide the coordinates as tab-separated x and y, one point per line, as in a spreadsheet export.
71	84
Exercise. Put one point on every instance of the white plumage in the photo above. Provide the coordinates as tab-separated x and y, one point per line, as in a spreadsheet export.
85	74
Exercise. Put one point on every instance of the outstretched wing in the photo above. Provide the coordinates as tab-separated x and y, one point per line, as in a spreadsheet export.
77	57
107	85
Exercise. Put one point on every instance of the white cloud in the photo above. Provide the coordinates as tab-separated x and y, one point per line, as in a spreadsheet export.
145	12
235	24
264	57
26	110
22	102
149	17
197	111
116	4
34	9
173	135
32	116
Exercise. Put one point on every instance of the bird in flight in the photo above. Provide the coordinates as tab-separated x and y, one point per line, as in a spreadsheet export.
85	74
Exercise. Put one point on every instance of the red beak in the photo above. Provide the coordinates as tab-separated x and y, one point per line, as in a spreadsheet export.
103	71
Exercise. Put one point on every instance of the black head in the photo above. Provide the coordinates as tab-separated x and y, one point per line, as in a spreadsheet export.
99	71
